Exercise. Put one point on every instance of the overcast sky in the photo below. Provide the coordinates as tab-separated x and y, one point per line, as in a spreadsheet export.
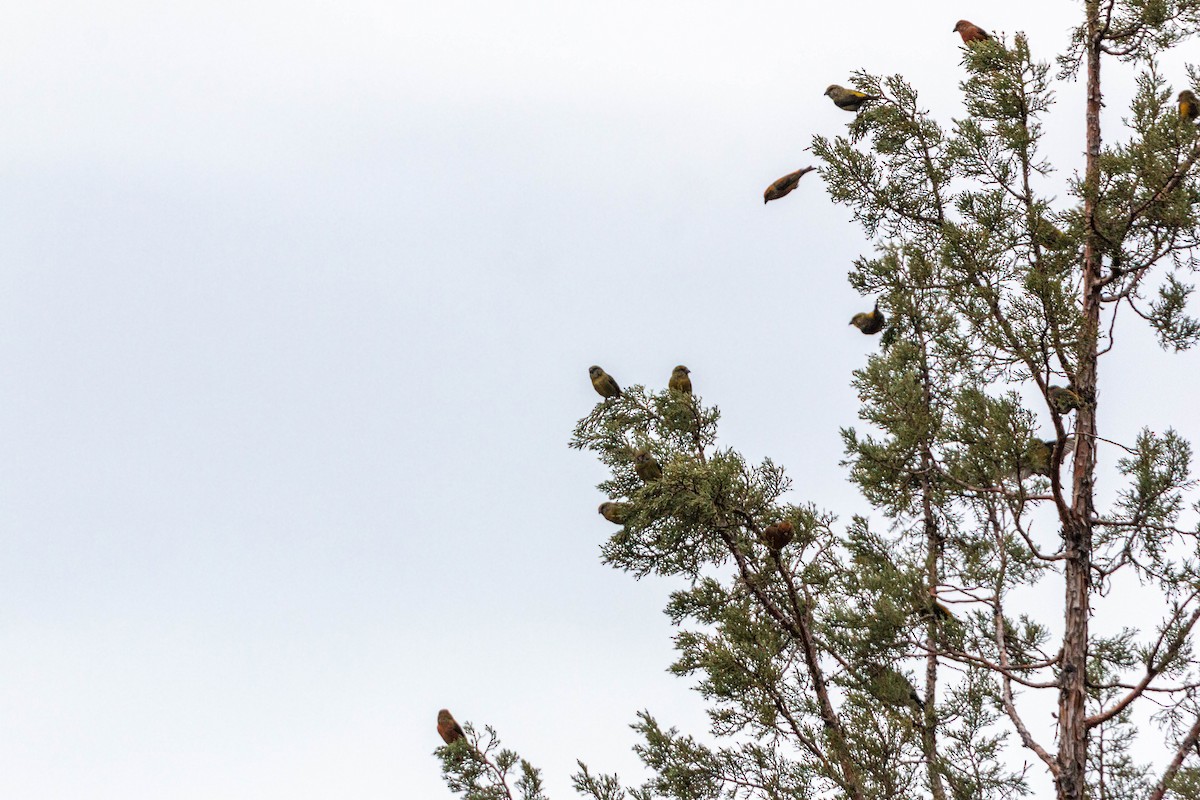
298	302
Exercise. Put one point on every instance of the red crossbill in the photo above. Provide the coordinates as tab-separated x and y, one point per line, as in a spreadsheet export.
970	33
777	535
604	383
848	99
448	728
784	185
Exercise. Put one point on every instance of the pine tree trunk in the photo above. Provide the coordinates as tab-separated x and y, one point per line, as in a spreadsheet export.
1077	524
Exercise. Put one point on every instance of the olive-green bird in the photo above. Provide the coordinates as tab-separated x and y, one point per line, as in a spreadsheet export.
778	535
1062	399
1039	456
784	185
680	382
1036	459
892	687
1189	108
1049	235
646	467
848	99
448	728
869	322
614	512
603	383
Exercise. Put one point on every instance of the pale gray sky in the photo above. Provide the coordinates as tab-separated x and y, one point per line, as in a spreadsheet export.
298	301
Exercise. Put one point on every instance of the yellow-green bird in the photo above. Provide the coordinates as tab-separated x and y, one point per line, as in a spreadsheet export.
892	687
869	322
784	185
1036	459
614	512
1049	235
1189	108
604	384
645	466
680	382
1062	399
848	99
1039	456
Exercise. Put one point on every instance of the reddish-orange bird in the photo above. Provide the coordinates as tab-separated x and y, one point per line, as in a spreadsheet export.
970	32
785	184
777	536
448	727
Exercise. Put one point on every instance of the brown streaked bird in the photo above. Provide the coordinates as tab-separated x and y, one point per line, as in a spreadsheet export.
777	535
645	466
603	383
1062	399
784	185
970	32
848	99
448	727
1189	108
680	382
869	323
614	512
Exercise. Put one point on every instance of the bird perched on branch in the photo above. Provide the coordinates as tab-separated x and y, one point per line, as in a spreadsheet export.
448	727
892	687
1062	399
1039	456
603	383
784	185
970	32
680	382
614	512
1189	109
645	466
777	535
848	99
869	322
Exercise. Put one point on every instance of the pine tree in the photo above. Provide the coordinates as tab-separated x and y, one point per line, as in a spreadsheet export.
868	662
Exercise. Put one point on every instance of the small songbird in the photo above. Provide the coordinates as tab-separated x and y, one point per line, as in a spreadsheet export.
1189	108
645	466
784	185
680	382
1062	399
614	512
1039	456
1036	459
869	323
604	383
1049	235
970	33
892	687
777	535
448	728
848	99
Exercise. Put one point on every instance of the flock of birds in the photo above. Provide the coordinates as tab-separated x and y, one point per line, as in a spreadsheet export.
1035	461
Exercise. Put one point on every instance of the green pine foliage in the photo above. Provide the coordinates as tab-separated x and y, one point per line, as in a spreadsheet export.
897	658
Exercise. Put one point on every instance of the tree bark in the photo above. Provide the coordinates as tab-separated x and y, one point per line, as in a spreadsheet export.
1077	521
